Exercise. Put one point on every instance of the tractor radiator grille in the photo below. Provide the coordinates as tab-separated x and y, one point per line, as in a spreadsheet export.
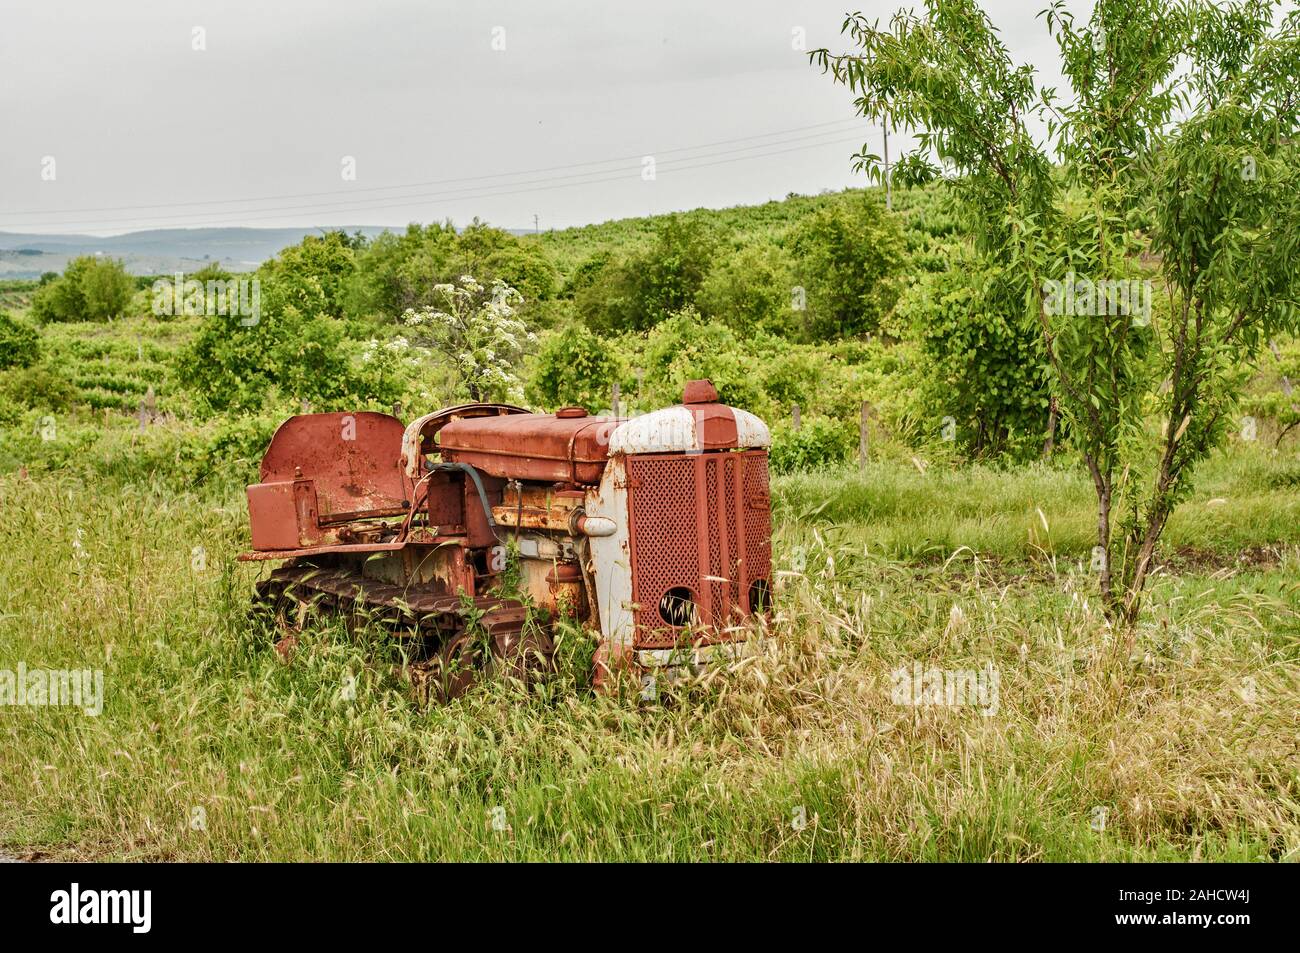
700	527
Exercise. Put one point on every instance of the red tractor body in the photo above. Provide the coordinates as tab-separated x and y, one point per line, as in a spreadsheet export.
654	530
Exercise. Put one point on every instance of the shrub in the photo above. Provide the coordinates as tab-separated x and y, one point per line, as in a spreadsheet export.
477	330
751	290
495	255
90	289
19	343
638	292
573	367
399	272
685	348
848	256
296	348
820	442
396	272
39	387
980	364
234	449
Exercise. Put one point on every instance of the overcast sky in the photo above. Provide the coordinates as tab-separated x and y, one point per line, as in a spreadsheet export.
501	110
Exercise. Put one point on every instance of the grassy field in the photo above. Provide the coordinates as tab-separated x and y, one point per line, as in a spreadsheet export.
1181	743
1180	740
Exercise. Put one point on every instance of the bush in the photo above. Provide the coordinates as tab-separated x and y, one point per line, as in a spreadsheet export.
491	254
640	291
751	290
821	442
848	258
573	368
313	276
395	273
980	365
90	289
296	348
39	387
234	449
685	348
19	343
474	329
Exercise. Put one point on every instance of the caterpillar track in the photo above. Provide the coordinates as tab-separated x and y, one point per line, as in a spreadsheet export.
450	640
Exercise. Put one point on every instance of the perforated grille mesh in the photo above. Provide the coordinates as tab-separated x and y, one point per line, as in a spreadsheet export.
663	536
735	558
758	521
712	611
679	536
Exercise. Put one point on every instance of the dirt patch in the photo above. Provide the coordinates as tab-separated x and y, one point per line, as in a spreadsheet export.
1185	560
1188	559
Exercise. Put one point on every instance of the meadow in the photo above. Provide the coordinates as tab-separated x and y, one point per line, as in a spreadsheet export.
125	445
1177	742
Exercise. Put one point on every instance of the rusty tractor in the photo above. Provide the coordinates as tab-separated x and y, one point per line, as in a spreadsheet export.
654	531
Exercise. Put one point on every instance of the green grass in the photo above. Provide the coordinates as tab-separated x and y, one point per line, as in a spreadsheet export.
1246	498
1187	737
113	365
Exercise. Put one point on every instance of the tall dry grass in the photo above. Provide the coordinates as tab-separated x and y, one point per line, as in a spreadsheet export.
1178	743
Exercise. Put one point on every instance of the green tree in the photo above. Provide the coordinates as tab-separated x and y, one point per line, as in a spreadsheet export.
1175	144
91	288
19	343
982	370
492	254
397	272
107	289
295	346
847	258
573	368
637	292
751	290
315	274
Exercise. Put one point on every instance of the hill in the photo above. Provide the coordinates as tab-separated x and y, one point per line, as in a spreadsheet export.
156	251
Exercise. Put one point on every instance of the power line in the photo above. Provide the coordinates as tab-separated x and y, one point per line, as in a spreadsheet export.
412	185
482	192
618	177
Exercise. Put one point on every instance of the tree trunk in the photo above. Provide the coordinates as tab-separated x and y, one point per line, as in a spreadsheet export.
1103	543
1050	443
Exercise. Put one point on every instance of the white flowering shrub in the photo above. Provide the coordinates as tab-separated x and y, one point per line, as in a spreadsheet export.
476	329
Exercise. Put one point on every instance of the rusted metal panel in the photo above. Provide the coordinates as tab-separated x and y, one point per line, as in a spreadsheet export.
270	554
445	502
273	515
421	435
477	530
540	447
698	522
352	459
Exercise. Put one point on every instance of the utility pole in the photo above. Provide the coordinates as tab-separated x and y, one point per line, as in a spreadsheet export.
537	229
889	189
